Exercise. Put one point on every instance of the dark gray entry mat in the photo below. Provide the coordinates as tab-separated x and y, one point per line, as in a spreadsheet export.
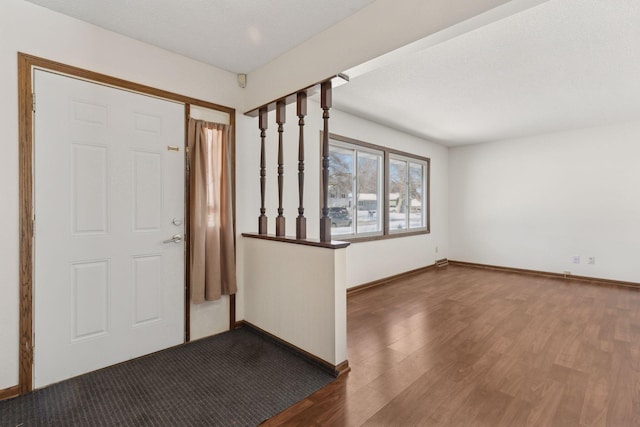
237	378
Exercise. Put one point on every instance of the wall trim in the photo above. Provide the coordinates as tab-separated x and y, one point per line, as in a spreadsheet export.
385	280
592	280
8	393
237	324
335	370
26	64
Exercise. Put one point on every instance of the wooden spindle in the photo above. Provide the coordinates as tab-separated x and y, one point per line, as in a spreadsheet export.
280	119
301	221
325	103
262	124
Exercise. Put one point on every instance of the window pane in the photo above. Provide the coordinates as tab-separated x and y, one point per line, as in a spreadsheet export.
416	193
341	189
369	194
398	195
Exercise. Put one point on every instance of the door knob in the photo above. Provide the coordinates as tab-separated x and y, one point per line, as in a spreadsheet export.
176	238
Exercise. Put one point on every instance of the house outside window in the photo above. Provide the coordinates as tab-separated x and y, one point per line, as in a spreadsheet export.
355	176
406	193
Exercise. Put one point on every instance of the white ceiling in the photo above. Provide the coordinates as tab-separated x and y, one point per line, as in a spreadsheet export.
562	64
235	35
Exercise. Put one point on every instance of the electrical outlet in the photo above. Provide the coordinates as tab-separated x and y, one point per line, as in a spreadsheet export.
575	259
591	260
436	249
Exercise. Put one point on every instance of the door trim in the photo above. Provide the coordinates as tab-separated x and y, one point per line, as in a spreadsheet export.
26	64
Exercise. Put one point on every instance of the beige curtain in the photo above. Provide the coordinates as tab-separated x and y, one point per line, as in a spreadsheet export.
212	260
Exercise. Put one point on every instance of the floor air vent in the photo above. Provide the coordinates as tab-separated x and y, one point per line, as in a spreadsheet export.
442	262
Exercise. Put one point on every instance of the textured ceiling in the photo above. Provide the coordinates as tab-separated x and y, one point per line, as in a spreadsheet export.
540	66
235	35
563	64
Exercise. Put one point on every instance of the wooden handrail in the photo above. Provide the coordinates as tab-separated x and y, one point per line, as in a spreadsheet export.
310	90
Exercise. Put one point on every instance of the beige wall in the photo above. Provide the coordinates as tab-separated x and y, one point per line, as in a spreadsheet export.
536	202
298	293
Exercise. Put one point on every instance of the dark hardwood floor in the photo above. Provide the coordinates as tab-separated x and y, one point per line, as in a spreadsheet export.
462	346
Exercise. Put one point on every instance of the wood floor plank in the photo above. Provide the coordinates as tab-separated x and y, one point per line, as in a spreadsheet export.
461	346
515	414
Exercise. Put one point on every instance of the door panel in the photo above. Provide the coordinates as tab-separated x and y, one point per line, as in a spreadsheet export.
89	186
89	299
107	289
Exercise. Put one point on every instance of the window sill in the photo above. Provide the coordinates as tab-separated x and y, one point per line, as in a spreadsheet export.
392	235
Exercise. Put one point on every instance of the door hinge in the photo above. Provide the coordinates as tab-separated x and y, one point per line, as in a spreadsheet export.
33	102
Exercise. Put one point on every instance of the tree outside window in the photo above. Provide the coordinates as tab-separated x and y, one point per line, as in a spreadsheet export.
354	183
358	206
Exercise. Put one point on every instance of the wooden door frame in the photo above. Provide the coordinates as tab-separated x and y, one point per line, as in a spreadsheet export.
26	65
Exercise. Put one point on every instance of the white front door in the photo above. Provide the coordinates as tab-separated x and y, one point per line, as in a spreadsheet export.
109	190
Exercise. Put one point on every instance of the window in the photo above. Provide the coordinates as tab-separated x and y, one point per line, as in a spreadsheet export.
406	193
365	204
355	189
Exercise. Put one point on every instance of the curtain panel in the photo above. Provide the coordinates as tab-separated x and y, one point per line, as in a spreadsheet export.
211	244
